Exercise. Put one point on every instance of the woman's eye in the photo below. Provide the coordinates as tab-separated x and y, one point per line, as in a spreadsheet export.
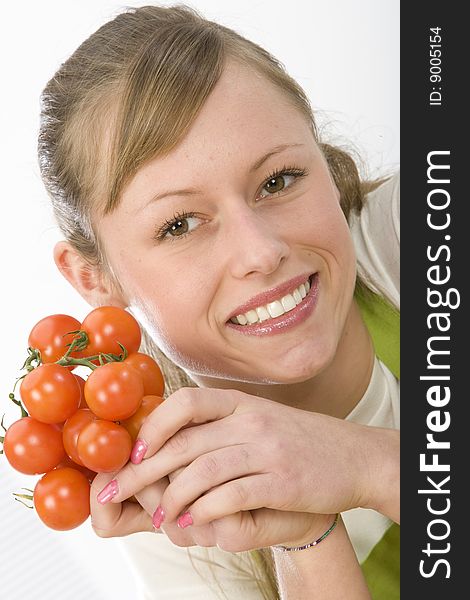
178	226
278	182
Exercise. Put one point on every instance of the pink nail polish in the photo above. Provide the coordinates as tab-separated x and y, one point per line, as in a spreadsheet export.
108	492
138	451
158	517
185	520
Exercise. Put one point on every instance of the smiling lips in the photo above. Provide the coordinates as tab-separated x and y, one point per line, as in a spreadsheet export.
257	311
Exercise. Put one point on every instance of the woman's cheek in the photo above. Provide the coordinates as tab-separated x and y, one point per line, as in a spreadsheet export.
169	320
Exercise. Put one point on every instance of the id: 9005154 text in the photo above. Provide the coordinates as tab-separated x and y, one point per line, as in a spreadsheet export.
435	68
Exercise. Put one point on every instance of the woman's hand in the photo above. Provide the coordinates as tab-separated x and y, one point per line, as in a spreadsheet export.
235	533
238	452
123	518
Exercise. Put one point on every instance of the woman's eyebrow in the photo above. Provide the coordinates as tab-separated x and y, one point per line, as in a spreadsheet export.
194	191
275	150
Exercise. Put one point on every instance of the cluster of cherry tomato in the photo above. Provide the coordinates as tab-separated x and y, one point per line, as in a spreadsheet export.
72	428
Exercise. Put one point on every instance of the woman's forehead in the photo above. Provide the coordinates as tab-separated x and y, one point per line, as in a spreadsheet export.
244	119
245	101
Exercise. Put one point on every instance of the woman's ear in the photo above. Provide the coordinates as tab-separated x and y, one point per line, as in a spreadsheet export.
87	279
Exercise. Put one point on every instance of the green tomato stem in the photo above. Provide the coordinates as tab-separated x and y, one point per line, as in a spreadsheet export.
22	497
103	358
79	342
24	413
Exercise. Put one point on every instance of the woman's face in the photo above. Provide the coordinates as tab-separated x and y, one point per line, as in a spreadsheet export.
259	209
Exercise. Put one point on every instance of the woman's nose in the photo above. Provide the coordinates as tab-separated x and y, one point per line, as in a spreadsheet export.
254	244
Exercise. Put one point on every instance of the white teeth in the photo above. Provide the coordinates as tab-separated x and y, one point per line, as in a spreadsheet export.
252	316
263	314
288	302
273	309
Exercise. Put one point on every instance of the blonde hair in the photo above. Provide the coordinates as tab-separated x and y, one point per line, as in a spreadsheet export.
130	93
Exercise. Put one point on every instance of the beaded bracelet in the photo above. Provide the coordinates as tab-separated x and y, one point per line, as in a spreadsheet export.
315	543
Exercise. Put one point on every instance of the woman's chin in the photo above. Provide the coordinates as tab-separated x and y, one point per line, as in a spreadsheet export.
291	369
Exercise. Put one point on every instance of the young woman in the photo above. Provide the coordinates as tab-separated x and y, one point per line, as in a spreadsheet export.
191	186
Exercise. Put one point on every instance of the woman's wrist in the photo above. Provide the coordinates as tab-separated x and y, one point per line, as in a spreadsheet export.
321	525
330	570
294	547
383	473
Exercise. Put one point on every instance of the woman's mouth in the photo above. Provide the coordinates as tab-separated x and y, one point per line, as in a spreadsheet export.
280	314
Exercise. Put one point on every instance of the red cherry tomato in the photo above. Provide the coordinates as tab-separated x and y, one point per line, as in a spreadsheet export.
49	336
114	391
68	462
149	371
33	447
50	393
72	428
62	499
104	446
81	383
134	423
108	325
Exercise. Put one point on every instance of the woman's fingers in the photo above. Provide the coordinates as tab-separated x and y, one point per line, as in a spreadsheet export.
179	451
150	496
114	520
174	474
185	406
207	472
244	494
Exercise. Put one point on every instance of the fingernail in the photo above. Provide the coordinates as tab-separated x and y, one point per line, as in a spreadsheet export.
158	517
138	451
185	520
108	492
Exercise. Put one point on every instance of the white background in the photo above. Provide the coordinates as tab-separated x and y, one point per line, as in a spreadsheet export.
345	54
